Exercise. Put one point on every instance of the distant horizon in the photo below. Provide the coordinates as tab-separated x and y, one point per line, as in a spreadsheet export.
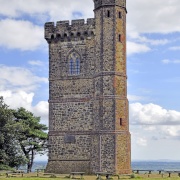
133	160
153	160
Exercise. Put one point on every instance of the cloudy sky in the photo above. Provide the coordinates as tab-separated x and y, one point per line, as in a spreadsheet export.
153	51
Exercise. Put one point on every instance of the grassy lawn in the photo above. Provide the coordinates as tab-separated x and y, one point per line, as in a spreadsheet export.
90	178
33	176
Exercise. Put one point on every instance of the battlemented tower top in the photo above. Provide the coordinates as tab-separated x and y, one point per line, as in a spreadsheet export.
100	3
66	31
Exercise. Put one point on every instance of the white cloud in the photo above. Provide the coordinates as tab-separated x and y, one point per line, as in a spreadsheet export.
54	9
26	36
143	16
18	78
155	41
171	131
17	99
156	132
175	48
176	61
18	86
35	63
19	34
23	99
152	114
137	37
141	141
167	61
134	98
153	16
133	48
42	110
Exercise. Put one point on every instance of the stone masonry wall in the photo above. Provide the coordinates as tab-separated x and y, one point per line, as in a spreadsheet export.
62	149
111	84
88	111
65	167
70	100
71	116
123	153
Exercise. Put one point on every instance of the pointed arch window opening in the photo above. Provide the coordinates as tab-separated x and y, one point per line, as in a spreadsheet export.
71	67
77	66
74	64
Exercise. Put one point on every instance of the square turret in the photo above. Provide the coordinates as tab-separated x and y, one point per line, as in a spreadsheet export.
100	3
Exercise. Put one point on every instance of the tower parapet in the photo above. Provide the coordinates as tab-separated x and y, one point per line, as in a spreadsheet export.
64	31
100	3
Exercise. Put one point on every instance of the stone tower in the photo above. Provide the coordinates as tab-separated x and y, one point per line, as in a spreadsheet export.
88	106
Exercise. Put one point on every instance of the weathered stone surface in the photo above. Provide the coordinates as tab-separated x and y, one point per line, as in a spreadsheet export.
88	106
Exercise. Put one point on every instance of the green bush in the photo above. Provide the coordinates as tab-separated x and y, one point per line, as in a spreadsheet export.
5	167
132	176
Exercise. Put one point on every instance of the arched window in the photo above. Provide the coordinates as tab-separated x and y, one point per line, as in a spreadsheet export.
58	36
74	64
78	34
52	36
71	67
77	66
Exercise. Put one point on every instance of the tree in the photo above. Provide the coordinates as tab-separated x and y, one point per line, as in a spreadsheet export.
9	151
30	135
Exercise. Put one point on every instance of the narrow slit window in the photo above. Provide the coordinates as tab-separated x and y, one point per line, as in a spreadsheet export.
120	121
120	15
119	38
108	13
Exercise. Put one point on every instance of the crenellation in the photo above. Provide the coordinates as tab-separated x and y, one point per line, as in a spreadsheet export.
91	21
79	22
62	23
49	29
63	31
106	3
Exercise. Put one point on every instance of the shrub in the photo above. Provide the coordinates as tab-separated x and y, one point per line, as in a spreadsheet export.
5	167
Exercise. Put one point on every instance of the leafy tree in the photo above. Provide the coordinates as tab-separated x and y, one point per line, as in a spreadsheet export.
6	116
21	137
30	135
9	152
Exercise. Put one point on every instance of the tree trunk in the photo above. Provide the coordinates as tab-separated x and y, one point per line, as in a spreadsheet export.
28	167
31	160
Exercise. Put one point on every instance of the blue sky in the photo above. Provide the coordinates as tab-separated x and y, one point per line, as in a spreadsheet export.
153	62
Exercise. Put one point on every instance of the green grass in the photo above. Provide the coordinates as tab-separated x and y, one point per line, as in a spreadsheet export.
92	178
33	176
